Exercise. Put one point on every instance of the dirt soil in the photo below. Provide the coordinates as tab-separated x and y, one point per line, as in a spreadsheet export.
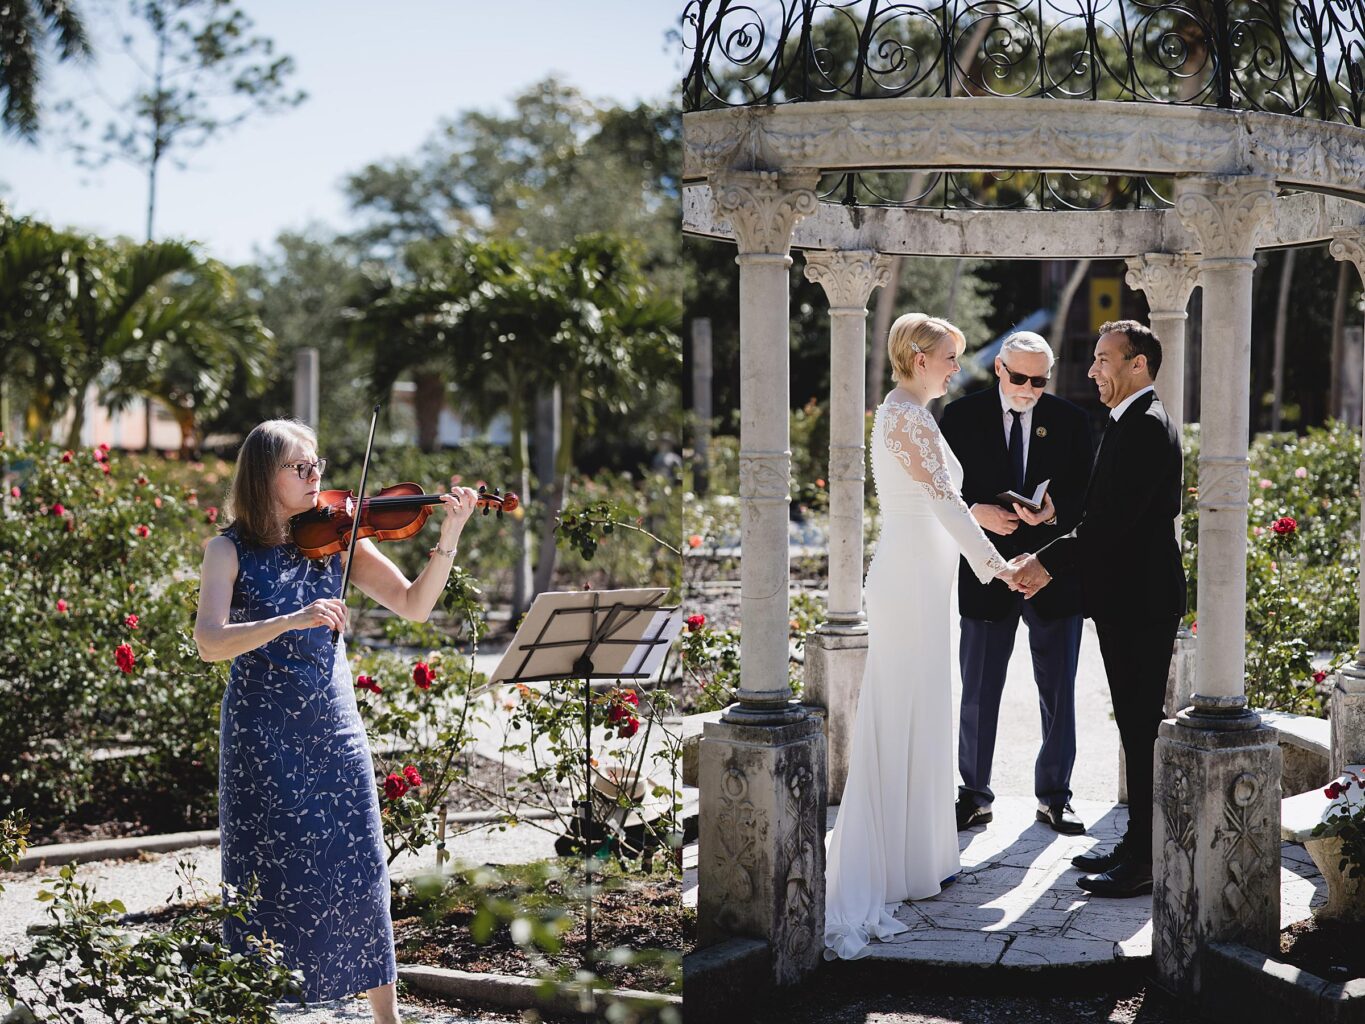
121	812
644	913
1329	949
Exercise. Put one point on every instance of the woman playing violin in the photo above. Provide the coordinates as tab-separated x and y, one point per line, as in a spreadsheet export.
298	805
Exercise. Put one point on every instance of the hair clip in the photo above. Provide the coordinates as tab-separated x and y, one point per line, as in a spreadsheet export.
916	349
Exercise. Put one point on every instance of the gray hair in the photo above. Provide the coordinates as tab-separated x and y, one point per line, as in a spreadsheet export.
1027	341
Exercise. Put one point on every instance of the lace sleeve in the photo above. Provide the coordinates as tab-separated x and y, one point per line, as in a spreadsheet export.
914	439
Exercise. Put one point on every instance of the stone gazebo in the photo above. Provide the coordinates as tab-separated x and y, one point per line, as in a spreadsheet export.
1265	150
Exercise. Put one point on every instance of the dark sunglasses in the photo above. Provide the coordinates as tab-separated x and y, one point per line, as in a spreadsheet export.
1021	378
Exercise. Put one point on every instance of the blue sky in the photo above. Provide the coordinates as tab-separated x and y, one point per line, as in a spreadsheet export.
377	84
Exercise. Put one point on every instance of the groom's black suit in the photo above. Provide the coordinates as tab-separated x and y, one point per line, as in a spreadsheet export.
1132	583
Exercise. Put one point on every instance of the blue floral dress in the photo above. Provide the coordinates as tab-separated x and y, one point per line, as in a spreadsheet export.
297	805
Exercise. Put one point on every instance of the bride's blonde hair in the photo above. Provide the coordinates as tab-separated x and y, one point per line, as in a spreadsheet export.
913	334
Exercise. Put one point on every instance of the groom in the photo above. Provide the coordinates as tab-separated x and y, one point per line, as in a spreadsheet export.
1013	437
1132	581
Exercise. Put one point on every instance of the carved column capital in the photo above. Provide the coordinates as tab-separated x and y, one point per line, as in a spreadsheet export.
1166	278
763	206
1348	244
848	276
1226	212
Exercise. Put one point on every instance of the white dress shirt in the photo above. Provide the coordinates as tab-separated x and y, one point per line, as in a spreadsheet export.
1117	412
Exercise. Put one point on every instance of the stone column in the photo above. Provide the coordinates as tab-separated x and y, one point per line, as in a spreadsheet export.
1168	280
762	767
1348	691
837	651
1216	828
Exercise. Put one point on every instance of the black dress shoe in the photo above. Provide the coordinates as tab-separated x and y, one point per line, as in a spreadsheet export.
1097	862
1062	819
1127	879
969	814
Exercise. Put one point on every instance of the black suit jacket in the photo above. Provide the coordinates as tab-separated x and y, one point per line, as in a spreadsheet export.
1058	450
1124	550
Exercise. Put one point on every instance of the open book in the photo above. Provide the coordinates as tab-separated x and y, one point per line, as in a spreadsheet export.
1033	504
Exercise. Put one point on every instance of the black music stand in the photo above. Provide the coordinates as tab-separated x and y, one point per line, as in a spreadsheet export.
587	635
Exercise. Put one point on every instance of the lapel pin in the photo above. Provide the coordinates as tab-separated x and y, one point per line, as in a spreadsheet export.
1041	432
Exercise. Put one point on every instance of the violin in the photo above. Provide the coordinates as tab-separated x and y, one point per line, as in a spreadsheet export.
395	513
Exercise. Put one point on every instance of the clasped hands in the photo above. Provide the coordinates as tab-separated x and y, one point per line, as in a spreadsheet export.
1026	575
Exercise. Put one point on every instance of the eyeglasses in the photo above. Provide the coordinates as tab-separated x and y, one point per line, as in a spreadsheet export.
305	469
1022	378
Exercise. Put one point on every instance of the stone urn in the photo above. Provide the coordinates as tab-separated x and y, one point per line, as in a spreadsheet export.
1345	895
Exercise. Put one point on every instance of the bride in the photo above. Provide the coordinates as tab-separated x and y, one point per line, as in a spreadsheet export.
895	837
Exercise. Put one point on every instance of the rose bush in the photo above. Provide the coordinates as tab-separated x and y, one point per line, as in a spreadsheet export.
97	620
1302	579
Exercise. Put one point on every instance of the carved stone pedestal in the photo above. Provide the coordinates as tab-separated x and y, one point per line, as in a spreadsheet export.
1348	718
1216	832
762	851
833	680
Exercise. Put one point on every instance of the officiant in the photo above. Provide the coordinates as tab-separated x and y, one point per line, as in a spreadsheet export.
1014	437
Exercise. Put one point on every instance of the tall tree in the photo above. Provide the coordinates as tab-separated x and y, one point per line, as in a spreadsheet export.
28	28
200	72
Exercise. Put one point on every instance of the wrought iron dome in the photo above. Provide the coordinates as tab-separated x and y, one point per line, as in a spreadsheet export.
1303	58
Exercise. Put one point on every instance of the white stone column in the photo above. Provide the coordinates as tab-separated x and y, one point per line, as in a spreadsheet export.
1347	712
762	775
1216	820
837	651
1226	213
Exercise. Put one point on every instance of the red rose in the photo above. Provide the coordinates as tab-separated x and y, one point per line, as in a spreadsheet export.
694	541
131	622
628	728
58	509
1319	676
1285	525
61	605
413	777
123	654
143	530
66	456
212	513
14	492
622	703
394	786
141	480
367	683
422	675
103	446
105	466
695	622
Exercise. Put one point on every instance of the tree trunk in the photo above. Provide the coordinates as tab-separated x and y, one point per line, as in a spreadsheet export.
1281	321
551	408
189	434
73	436
1336	385
563	467
521	473
427	403
1060	314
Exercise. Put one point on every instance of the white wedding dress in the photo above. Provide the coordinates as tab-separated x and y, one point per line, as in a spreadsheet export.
895	837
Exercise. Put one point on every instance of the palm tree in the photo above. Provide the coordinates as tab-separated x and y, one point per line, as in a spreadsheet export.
26	27
35	286
197	341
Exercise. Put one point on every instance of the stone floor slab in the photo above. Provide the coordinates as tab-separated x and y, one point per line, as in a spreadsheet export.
1055	951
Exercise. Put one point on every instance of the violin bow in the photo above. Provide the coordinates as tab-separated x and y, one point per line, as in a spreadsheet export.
359	511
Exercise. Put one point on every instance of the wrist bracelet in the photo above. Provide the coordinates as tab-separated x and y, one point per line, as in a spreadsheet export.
438	550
